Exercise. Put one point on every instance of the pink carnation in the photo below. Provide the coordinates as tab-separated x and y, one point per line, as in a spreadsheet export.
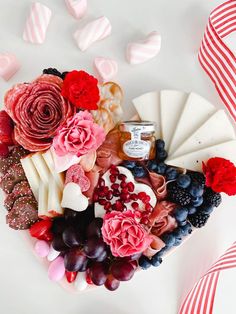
124	234
78	136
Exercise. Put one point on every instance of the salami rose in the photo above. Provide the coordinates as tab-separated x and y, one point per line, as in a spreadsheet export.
38	110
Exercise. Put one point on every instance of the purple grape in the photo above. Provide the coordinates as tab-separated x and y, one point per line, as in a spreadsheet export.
122	270
94	228
74	259
58	225
102	257
58	244
94	247
70	214
98	274
71	237
112	283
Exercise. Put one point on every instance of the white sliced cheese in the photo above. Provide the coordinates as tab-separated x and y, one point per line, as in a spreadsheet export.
41	167
59	177
196	111
43	201
217	129
148	108
193	161
172	105
54	198
31	175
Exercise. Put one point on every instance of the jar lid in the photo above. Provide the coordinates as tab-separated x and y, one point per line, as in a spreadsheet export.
143	126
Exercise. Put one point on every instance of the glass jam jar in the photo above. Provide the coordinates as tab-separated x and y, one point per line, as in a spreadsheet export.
137	140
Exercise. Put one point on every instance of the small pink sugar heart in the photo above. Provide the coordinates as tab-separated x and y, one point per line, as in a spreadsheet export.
106	69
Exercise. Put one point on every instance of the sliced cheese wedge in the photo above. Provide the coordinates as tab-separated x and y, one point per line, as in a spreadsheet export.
172	105
193	161
148	108
59	177
41	167
54	198
217	129
43	201
31	175
196	111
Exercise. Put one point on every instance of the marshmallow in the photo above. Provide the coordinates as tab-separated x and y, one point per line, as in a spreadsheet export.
37	23
77	8
106	69
92	32
9	65
144	50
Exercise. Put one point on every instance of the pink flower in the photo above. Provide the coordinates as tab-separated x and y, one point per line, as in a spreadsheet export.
78	136
124	234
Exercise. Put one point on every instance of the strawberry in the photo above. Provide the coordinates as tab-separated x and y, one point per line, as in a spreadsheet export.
6	128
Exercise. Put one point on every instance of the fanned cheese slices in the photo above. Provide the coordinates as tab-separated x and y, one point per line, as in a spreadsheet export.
191	127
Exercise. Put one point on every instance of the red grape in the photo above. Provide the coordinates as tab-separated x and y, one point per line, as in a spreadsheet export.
112	283
94	247
98	274
58	244
94	228
102	257
122	270
71	237
74	259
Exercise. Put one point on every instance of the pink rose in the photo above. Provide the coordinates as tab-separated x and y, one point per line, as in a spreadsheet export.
78	136
124	234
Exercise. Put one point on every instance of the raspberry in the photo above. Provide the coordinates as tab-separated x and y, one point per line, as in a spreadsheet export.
4	151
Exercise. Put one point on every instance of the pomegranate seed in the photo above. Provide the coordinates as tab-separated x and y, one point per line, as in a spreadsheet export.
144	221
134	197
116	193
107	206
123	184
147	199
148	207
105	189
115	186
130	186
119	206
114	170
102	202
95	197
125	190
112	178
122	177
137	214
125	196
101	182
109	195
135	206
142	195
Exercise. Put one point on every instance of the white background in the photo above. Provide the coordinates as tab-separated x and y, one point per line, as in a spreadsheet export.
24	286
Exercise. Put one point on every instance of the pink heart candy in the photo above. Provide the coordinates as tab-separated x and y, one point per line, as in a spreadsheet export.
9	65
105	68
56	270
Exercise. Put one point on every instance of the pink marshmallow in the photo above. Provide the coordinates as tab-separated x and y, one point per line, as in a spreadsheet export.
77	8
41	248
92	32
106	69
56	270
144	50
9	65
37	23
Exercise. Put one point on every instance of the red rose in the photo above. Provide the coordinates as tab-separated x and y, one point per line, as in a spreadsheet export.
81	89
220	175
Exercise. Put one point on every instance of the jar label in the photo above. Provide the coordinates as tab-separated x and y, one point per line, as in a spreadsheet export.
137	148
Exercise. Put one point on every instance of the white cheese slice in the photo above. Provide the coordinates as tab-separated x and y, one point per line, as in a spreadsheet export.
43	201
172	105
59	177
217	129
54	198
148	108
31	175
196	111
193	161
41	167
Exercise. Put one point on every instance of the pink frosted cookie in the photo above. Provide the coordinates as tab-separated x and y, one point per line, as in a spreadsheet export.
77	8
106	69
37	23
9	65
144	50
92	32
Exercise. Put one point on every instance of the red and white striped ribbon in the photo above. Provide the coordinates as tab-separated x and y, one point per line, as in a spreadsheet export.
200	300
215	56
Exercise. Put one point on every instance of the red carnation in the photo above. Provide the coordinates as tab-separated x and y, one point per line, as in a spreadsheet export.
81	89
220	175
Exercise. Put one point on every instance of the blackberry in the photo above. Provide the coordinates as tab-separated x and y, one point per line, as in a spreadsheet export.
52	71
212	198
178	195
63	75
198	220
197	177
